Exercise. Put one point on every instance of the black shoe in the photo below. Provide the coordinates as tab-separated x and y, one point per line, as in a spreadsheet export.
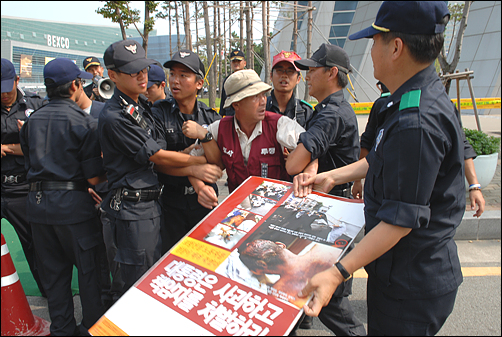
307	323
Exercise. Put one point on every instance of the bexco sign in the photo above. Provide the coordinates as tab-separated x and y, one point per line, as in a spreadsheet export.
58	41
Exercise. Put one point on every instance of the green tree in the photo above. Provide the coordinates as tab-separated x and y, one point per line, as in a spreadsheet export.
119	12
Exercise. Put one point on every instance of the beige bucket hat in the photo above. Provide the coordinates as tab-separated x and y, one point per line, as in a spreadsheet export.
243	83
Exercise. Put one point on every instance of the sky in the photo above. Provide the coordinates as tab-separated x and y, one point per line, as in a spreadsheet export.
85	12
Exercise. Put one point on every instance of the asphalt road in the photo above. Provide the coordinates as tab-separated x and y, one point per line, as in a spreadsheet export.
477	309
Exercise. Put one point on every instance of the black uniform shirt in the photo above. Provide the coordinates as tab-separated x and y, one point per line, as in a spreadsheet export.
228	111
169	122
127	149
369	134
298	110
25	104
60	143
416	180
332	134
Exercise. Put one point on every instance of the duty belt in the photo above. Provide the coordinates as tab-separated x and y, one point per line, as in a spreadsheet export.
185	190
13	179
58	185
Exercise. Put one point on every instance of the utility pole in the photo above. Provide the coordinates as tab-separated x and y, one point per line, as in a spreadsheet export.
212	87
266	46
241	25
249	46
188	35
309	45
295	34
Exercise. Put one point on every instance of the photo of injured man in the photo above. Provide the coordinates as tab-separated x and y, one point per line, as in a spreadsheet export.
277	269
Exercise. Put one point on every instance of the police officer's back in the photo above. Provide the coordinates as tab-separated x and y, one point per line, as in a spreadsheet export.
62	152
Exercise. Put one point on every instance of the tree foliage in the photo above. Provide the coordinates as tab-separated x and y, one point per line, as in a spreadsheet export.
119	12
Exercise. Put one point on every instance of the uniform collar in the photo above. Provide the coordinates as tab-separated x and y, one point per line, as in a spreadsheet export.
174	108
335	97
273	104
418	81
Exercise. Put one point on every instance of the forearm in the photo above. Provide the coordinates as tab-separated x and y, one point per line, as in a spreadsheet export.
213	153
350	172
373	245
174	171
470	172
16	149
312	167
176	159
298	160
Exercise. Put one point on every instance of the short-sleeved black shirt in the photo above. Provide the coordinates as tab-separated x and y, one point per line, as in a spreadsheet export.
25	104
60	143
228	111
332	134
416	180
169	121
127	149
298	110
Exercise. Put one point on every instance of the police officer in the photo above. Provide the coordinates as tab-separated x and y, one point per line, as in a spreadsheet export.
182	210
368	136
157	88
332	136
237	62
16	106
128	141
94	67
61	212
414	187
285	76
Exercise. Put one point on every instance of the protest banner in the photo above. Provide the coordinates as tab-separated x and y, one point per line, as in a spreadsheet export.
238	272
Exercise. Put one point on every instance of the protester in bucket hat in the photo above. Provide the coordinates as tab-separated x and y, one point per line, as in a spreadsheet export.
269	133
414	182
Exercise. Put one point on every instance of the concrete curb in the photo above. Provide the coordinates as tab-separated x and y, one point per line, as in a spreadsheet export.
486	227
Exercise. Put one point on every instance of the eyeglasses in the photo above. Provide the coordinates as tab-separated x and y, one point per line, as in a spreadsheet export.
288	71
144	71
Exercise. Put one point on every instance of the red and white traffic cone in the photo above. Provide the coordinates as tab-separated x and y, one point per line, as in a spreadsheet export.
17	318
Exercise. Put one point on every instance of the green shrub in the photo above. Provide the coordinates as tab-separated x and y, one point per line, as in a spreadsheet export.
481	142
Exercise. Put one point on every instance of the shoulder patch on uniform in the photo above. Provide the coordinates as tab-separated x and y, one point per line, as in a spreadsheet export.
410	100
385	94
307	103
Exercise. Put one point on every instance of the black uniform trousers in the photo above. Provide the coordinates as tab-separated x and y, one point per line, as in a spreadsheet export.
14	211
178	222
389	316
138	245
59	248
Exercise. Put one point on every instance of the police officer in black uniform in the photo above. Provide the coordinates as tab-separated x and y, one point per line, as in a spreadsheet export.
285	76
61	212
16	106
157	88
237	62
414	190
333	137
93	66
128	141
182	211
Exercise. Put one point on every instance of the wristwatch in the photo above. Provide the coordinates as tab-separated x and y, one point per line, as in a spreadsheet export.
207	138
343	271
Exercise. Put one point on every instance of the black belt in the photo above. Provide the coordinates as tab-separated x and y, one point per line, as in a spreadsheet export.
59	185
343	190
13	179
138	195
184	190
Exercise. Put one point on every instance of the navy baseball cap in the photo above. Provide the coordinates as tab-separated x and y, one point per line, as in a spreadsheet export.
236	54
62	70
327	55
91	61
8	75
409	17
189	59
155	74
127	56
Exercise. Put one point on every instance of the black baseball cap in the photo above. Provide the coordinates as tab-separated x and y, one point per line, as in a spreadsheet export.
409	17
189	59
327	55
91	61
61	71
8	75
236	54
127	56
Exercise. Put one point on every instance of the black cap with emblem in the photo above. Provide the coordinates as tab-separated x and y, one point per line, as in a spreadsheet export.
189	59
236	54
126	56
327	55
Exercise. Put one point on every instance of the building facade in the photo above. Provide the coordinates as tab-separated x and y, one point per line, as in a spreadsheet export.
333	21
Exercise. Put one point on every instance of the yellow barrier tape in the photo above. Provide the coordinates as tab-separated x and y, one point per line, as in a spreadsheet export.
465	104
